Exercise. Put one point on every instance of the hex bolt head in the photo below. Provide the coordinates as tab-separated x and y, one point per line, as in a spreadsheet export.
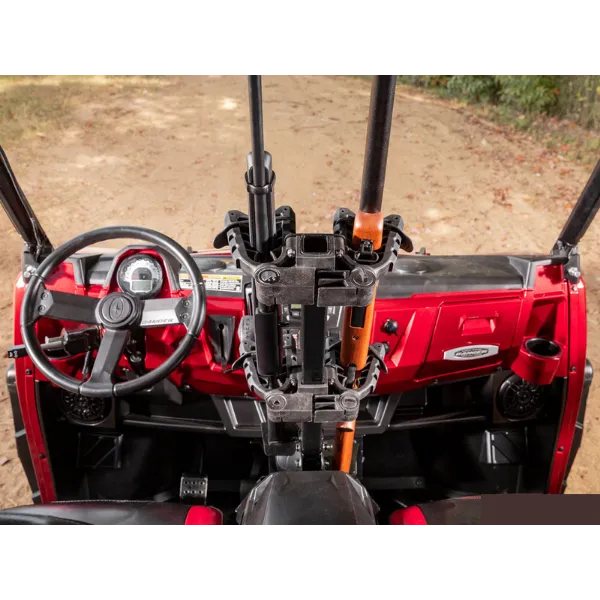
574	272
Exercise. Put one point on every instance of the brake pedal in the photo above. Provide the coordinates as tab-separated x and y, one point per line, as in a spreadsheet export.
193	488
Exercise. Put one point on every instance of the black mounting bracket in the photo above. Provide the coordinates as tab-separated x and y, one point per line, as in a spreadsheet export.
569	257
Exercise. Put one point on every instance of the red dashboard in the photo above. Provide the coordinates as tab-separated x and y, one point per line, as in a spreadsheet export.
428	325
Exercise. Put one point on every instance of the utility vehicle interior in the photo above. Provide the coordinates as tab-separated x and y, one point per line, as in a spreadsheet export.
281	377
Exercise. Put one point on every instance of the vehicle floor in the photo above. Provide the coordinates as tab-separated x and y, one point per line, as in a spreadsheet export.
172	158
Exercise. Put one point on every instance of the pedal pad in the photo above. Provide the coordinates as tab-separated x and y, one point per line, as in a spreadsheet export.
193	488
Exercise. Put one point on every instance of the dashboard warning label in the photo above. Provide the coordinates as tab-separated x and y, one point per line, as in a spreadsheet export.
215	282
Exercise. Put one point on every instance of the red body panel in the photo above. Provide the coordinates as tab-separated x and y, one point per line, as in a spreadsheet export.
428	326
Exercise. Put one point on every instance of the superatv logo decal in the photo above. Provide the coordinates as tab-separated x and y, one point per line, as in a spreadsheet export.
470	352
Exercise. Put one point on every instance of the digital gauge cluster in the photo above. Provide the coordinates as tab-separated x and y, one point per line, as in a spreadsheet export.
140	275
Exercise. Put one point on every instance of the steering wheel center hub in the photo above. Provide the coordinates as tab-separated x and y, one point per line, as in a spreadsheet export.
118	310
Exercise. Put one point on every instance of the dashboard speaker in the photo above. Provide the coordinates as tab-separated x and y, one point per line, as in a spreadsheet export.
85	410
518	400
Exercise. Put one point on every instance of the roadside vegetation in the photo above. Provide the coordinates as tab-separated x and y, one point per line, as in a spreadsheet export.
563	112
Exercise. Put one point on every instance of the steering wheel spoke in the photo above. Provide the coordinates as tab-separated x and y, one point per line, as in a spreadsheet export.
110	351
160	312
65	307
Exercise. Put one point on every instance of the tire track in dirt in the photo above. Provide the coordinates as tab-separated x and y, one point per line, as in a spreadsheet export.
173	159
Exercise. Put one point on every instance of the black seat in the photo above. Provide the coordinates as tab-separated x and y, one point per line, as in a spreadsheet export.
308	498
110	512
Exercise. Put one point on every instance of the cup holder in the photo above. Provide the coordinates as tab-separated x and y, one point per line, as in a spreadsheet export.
542	347
538	360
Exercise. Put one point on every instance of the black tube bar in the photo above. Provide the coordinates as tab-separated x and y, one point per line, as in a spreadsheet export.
378	141
261	211
584	212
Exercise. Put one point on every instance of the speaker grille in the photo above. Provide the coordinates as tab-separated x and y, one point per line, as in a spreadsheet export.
518	399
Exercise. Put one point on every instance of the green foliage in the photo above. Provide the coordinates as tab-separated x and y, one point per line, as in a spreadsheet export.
474	88
579	99
529	93
575	98
426	81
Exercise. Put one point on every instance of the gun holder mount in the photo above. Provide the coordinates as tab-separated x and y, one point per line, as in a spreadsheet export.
316	271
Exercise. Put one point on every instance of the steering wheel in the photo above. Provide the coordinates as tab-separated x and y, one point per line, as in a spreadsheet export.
117	313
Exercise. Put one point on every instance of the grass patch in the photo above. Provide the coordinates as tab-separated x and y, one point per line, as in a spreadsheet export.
561	137
39	106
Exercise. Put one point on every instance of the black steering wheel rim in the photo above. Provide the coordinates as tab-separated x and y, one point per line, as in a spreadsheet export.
107	389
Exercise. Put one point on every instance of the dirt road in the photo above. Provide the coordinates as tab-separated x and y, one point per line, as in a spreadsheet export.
171	157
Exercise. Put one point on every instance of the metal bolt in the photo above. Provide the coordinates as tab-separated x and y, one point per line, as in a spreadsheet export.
27	371
291	252
276	402
269	276
41	309
574	272
331	381
44	295
349	401
184	317
362	277
186	303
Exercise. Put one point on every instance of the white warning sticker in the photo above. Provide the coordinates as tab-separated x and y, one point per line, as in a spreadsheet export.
215	282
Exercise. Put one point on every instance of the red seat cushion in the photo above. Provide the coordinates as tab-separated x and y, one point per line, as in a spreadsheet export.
204	515
455	511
